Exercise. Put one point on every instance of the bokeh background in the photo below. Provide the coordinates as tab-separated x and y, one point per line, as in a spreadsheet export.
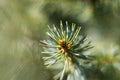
23	23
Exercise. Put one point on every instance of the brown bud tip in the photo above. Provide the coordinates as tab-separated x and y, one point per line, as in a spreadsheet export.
61	42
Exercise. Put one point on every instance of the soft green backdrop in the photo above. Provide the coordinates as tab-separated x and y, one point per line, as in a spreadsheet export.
24	22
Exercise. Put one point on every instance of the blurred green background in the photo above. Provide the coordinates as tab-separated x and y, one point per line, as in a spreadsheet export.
23	23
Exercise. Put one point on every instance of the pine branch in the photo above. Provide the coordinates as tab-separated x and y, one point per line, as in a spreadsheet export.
66	46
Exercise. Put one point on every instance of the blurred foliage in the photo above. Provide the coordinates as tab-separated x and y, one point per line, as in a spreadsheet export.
106	65
23	23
